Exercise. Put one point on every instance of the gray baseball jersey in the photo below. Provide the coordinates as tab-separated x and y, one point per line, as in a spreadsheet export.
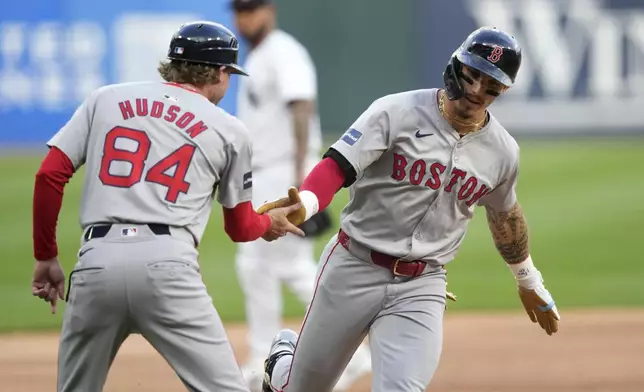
153	153
418	180
157	154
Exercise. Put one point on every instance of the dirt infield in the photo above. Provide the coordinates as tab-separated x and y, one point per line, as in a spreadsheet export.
594	351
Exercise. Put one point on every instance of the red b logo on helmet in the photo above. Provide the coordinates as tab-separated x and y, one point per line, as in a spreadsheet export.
496	54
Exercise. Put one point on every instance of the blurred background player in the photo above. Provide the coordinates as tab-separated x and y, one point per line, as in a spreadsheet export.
277	103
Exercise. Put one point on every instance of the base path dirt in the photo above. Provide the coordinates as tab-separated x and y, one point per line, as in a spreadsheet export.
595	351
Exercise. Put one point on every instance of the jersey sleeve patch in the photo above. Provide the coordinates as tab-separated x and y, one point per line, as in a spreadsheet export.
248	180
351	136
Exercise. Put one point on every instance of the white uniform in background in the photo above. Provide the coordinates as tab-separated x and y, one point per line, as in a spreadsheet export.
281	71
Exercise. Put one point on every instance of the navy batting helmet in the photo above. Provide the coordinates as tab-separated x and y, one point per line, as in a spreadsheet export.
489	50
206	43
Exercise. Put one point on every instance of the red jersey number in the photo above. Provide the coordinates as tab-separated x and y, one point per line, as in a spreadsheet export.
179	159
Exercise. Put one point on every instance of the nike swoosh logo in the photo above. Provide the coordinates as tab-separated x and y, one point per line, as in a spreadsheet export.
80	254
418	134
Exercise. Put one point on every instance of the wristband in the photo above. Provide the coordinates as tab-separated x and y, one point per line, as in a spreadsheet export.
526	274
310	204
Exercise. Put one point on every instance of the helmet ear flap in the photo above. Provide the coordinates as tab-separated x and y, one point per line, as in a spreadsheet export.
453	85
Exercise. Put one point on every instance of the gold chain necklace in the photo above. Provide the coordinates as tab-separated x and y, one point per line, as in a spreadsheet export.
441	108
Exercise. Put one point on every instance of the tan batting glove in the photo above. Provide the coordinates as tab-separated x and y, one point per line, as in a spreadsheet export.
536	300
296	218
541	308
450	296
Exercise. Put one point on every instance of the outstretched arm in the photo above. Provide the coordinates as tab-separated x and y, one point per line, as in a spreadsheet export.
235	192
324	181
315	194
243	224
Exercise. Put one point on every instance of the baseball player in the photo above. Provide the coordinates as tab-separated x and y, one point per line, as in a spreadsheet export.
155	154
278	103
417	164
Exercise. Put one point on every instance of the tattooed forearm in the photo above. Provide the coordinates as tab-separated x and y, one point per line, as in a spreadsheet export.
510	233
301	112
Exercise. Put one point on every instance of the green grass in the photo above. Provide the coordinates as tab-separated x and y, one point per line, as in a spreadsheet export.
583	200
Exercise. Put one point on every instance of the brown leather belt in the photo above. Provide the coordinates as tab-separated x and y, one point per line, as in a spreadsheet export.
397	266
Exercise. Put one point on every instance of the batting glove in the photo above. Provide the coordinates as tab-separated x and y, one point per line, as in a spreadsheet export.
536	299
298	217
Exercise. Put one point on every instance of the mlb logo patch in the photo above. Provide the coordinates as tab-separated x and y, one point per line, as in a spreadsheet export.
351	136
178	50
129	232
248	180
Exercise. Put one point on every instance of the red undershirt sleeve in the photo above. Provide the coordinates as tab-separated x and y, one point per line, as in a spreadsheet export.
243	224
55	171
325	180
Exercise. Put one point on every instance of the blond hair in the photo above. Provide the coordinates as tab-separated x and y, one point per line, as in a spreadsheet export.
191	73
